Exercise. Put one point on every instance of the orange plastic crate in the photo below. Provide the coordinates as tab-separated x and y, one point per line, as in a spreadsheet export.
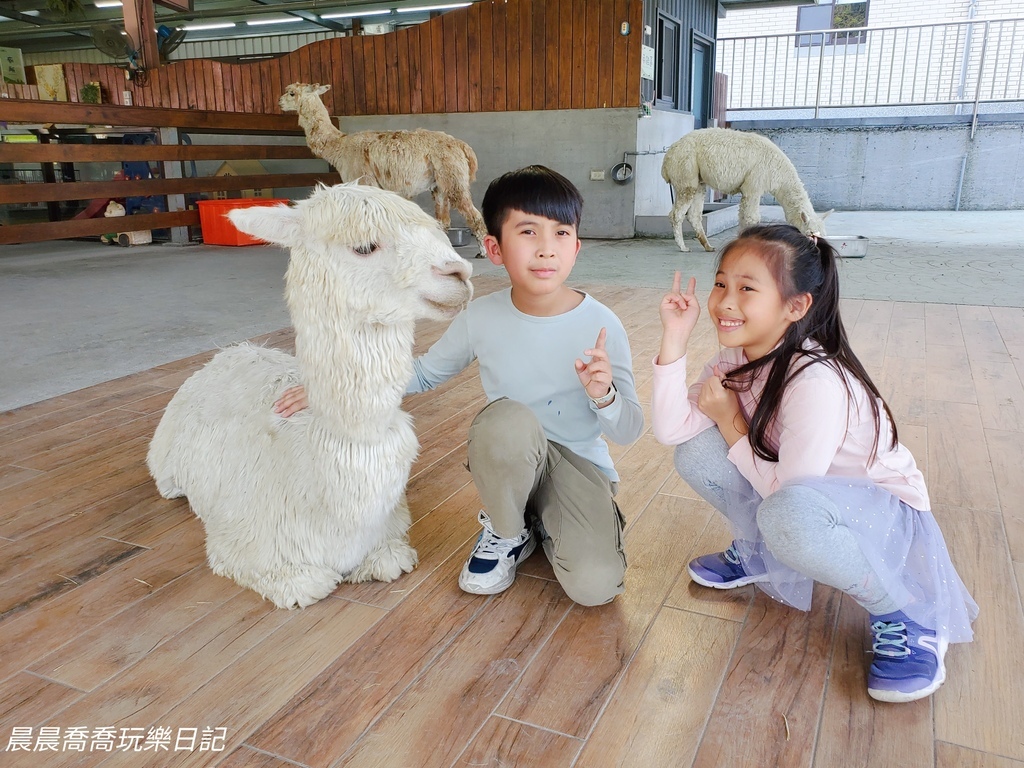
217	227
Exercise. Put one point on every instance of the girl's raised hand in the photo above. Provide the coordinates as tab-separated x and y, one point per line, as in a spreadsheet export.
679	312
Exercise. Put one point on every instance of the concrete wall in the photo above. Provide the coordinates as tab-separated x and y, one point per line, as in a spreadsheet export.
572	142
655	134
850	165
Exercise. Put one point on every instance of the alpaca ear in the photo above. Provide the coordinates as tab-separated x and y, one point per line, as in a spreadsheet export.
321	89
279	224
827	213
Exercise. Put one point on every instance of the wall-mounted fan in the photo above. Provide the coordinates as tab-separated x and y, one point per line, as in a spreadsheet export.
167	39
116	43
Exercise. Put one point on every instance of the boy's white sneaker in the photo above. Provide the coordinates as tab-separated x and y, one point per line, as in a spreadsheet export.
491	567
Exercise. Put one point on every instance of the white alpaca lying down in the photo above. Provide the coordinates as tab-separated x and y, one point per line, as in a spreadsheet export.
293	506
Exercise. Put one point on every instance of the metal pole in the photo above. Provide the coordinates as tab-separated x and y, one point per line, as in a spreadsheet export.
821	67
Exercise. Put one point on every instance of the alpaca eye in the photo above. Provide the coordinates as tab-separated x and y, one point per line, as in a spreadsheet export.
365	250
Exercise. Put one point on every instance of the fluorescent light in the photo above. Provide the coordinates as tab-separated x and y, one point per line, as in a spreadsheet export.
432	7
107	3
199	27
353	15
264	22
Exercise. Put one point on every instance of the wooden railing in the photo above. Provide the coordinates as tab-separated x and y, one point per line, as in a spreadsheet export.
164	123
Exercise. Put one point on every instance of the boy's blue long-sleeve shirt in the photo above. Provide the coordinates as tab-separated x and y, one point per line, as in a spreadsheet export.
531	360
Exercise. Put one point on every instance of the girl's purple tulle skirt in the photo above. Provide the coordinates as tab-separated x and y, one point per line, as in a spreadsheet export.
903	545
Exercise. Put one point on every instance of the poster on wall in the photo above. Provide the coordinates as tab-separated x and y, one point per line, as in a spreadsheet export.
51	82
13	65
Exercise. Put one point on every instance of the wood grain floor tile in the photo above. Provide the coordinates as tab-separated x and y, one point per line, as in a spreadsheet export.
644	469
32	581
137	631
968	711
328	716
959	469
467	681
1000	394
245	757
954	756
145	692
11	475
942	326
899	382
506	743
26	699
948	375
1007	452
731	604
566	687
981	334
659	710
69	453
253	687
780	668
28	636
855	729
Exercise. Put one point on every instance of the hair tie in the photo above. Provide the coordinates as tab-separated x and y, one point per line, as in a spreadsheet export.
814	239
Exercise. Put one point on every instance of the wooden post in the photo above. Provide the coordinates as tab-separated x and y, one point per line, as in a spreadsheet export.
172	169
140	24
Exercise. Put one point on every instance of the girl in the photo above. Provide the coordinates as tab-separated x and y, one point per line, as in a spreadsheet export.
787	436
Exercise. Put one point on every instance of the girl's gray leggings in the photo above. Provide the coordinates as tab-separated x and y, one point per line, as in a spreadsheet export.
801	527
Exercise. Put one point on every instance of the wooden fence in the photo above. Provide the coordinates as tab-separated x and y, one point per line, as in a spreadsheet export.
493	56
164	123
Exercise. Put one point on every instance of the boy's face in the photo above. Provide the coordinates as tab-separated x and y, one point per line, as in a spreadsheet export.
538	252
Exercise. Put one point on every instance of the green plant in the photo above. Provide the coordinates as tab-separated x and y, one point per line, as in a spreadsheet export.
89	93
64	8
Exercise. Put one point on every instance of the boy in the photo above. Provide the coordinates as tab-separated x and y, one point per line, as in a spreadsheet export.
535	451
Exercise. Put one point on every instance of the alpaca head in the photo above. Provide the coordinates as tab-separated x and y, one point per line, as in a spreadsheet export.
813	223
368	254
293	94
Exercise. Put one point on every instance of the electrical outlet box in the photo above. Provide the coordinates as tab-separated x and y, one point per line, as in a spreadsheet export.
597	174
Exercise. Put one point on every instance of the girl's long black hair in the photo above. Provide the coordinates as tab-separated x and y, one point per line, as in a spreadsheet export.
800	264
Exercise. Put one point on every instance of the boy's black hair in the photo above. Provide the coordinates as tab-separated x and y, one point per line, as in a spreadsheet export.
534	189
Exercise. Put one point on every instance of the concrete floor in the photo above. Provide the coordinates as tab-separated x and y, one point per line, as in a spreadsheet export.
75	314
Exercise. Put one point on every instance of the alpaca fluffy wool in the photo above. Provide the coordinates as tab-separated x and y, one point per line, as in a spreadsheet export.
293	506
734	161
406	162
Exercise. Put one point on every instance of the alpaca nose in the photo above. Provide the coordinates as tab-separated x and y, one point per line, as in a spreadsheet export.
458	269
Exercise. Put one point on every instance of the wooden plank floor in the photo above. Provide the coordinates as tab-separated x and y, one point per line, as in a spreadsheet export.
110	618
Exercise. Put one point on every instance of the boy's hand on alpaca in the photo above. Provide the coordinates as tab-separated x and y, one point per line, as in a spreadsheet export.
722	405
596	376
291	402
679	312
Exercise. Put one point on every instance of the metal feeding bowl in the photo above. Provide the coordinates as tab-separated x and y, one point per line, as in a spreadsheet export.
622	173
460	237
850	246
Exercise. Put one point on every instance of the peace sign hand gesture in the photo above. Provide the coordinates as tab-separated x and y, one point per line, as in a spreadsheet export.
679	312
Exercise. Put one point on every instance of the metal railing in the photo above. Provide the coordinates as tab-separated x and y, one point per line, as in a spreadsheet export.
959	63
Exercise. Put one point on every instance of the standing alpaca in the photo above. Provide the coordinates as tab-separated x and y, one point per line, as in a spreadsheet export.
293	506
406	162
733	161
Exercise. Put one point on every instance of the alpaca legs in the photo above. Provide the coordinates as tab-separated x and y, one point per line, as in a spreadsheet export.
394	555
695	215
464	203
290	586
750	209
677	215
441	210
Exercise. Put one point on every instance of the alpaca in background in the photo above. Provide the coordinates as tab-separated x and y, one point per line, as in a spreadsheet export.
734	161
293	506
406	162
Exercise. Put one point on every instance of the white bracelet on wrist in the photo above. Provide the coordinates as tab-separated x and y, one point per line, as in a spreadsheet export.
604	399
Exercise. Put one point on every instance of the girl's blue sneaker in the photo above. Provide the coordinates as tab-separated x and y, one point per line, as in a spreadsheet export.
722	570
908	663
